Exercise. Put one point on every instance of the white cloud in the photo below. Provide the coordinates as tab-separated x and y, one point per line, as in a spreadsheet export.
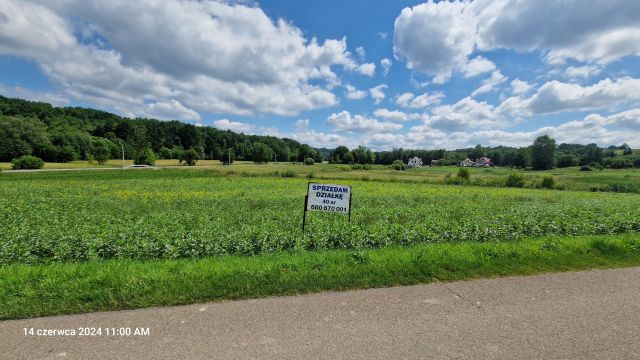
361	53
477	66
170	110
556	96
466	114
438	38
27	94
235	126
383	35
519	87
386	65
490	83
367	69
302	125
586	71
435	38
395	115
344	121
208	56
355	94
410	100
377	93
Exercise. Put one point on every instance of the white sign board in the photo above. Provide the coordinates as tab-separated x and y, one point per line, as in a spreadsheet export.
329	198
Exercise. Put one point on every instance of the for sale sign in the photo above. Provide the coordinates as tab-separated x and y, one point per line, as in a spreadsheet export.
329	198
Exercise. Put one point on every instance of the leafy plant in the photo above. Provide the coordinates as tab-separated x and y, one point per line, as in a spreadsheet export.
27	162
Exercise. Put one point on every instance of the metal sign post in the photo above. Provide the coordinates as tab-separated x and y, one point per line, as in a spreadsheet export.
327	198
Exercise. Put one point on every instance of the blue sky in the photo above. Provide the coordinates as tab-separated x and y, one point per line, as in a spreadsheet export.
382	74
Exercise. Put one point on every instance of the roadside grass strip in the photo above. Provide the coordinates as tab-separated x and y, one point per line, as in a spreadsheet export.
102	285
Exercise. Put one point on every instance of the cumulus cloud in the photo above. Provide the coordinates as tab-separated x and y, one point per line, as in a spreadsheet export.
395	115
435	38
386	65
439	38
490	83
519	87
235	126
354	94
344	121
477	66
368	69
555	96
208	56
466	114
586	71
361	53
377	93
170	110
410	100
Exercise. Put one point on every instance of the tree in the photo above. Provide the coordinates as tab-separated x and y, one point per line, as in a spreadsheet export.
165	153
337	156
543	153
260	153
521	160
21	136
144	157
228	157
101	149
567	160
191	156
593	155
476	153
626	150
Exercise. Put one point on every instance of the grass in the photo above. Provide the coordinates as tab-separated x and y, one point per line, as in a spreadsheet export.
566	178
65	288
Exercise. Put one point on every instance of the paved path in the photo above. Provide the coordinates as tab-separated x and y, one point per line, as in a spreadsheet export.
593	314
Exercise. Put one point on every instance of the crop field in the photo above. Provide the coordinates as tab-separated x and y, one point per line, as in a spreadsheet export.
168	214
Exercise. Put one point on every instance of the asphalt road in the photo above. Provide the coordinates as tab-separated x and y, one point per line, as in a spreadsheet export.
582	315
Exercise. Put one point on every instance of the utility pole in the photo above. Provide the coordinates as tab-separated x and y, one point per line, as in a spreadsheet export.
122	146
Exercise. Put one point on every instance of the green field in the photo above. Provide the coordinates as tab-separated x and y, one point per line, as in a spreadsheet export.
126	239
180	214
565	179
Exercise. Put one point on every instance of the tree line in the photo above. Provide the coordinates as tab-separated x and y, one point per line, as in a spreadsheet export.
62	134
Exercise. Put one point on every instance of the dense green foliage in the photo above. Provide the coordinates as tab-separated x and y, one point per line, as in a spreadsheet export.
65	134
179	213
144	157
27	162
543	153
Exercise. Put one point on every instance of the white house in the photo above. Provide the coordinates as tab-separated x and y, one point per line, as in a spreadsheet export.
414	162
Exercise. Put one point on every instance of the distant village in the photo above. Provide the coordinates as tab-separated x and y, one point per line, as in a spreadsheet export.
484	161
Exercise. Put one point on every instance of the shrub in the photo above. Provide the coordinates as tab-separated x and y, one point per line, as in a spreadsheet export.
309	161
398	165
165	153
311	175
356	167
585	168
27	162
624	187
144	157
548	182
366	167
288	173
514	180
190	157
464	173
